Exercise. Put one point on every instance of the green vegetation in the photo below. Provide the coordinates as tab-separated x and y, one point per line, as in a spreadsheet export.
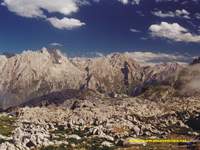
2	141
152	146
60	147
77	147
93	144
83	144
7	125
60	133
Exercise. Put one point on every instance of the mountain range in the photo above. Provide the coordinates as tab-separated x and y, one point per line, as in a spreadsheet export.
33	76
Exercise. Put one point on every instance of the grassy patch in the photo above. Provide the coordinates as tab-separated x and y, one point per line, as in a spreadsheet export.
92	144
2	141
60	147
83	144
61	132
7	125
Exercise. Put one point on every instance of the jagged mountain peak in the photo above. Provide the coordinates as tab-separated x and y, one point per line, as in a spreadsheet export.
36	73
47	72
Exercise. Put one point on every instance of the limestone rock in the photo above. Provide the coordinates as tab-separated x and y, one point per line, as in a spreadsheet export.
33	74
106	144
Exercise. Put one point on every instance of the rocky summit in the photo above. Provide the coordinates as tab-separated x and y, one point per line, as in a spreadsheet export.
51	102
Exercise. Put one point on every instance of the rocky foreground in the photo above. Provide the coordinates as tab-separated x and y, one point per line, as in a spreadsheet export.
50	102
101	123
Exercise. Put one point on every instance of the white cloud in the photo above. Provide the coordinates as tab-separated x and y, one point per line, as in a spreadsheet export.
65	23
123	1
166	0
150	58
37	8
135	30
197	16
163	15
173	32
56	44
182	13
178	13
133	2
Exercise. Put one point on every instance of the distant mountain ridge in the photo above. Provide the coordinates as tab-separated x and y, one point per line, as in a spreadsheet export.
30	75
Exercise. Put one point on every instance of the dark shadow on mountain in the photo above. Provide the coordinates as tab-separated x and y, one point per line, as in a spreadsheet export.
55	98
8	54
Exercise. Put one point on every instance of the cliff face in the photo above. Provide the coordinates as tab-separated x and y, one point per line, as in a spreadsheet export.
115	72
31	75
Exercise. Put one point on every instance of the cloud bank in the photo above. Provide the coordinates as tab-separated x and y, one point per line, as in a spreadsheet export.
151	58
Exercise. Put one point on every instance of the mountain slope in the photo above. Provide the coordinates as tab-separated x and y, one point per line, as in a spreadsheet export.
33	74
115	72
49	75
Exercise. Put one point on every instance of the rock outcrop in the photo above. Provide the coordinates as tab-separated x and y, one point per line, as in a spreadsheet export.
33	74
115	72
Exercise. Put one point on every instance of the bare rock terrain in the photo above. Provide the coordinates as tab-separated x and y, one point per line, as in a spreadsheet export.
49	101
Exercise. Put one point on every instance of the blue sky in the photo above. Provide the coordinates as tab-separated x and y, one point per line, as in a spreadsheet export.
88	26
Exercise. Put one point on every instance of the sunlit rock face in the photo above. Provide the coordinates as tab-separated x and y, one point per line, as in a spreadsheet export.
33	74
115	72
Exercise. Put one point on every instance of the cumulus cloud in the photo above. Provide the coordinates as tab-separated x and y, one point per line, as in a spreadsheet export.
37	8
178	13
173	32
65	23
